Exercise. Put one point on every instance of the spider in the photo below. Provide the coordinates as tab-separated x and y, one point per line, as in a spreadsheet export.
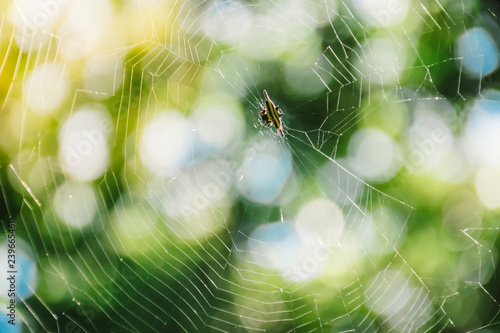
271	114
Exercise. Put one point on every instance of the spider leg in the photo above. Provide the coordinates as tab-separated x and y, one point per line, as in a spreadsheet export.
280	113
265	119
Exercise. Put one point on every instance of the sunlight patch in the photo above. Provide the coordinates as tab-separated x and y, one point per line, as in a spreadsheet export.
382	13
75	203
488	186
83	142
264	172
478	52
320	221
103	76
166	143
383	60
482	134
374	155
381	232
27	277
86	23
405	306
227	21
221	124
46	88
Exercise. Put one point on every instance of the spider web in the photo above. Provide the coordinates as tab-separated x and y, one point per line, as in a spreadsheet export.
180	212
